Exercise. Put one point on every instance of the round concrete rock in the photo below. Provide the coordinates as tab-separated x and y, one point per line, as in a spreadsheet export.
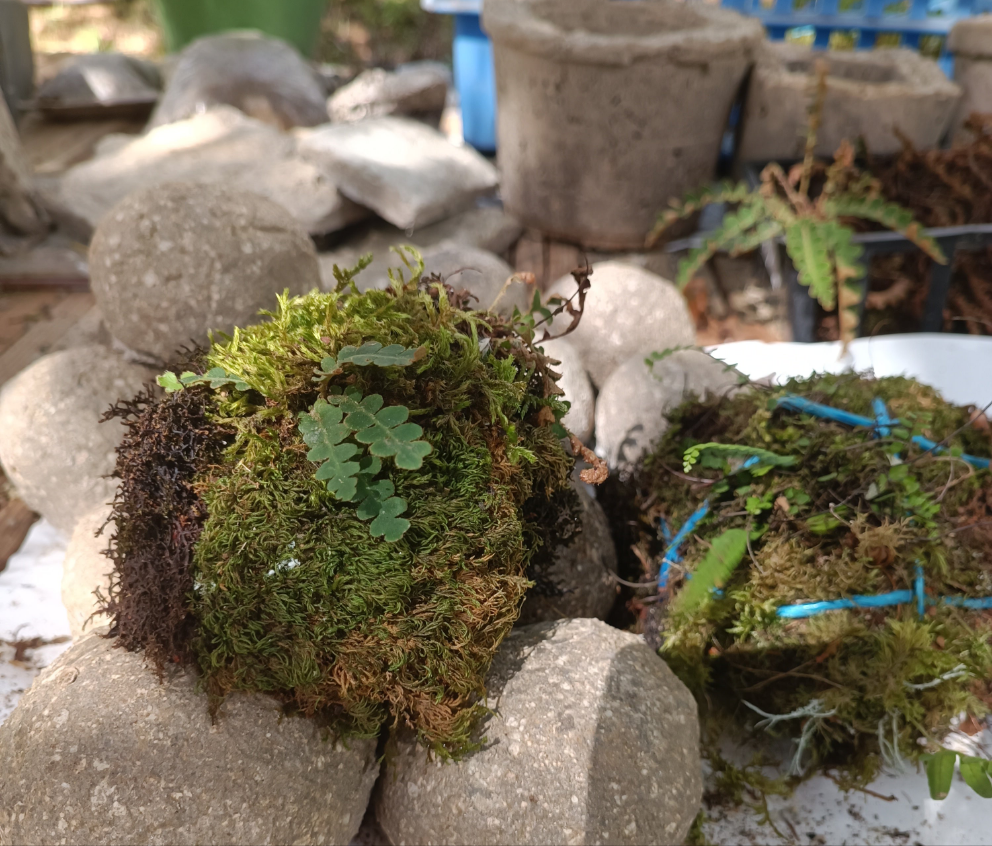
632	407
98	751
85	569
170	263
479	272
52	445
583	570
628	310
577	387
593	740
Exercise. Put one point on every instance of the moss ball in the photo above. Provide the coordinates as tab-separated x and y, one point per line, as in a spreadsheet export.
345	509
803	510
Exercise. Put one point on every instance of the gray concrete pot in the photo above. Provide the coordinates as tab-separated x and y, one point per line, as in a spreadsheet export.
870	94
608	109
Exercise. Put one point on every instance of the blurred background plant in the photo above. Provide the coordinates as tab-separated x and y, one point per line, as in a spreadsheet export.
363	33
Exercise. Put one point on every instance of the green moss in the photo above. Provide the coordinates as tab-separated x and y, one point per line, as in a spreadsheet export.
292	595
848	517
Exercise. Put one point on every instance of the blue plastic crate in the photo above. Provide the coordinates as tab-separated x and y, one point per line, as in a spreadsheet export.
863	24
475	79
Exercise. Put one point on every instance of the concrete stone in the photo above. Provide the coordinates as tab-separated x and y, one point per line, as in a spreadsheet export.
628	310
593	740
21	210
971	42
632	407
52	445
487	228
870	94
407	173
98	751
85	569
418	89
100	79
172	262
608	110
263	77
222	146
479	272
577	387
582	570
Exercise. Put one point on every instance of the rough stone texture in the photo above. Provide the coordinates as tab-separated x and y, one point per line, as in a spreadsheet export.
581	569
594	740
85	569
21	211
971	42
222	146
628	310
263	77
608	110
420	88
869	94
52	445
481	273
98	751
408	173
100	79
577	387
487	228
172	262
631	408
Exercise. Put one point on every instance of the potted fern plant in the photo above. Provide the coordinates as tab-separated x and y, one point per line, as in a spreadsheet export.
816	230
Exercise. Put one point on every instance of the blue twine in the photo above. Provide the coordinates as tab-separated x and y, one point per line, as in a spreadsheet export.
811	609
896	597
805	406
672	552
882	419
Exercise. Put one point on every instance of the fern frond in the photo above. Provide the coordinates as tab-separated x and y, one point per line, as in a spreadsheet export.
725	192
807	248
849	271
890	215
722	558
736	227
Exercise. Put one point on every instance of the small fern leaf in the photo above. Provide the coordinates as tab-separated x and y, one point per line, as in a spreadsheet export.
170	382
323	431
216	377
390	435
805	243
371	496
714	570
372	352
389	525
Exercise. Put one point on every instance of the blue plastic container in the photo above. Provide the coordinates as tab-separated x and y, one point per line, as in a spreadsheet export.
475	80
864	24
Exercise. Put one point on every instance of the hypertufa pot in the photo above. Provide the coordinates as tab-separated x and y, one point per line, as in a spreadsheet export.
609	109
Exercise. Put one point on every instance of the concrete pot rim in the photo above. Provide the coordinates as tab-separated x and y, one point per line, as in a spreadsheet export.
972	37
916	75
721	34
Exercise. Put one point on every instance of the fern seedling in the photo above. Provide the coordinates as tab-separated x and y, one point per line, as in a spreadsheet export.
369	353
216	377
327	428
324	432
817	239
384	430
714	570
